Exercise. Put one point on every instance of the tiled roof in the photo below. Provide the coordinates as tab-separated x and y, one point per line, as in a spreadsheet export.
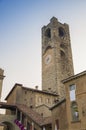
30	89
58	103
36	117
74	76
40	91
47	120
32	114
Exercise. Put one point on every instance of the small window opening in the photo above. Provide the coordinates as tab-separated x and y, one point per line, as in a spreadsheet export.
72	92
31	106
62	53
41	114
18	115
61	32
75	112
48	33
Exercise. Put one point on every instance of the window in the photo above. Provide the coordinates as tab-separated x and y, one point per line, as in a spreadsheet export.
41	114
47	100
31	106
28	126
61	32
57	124
75	113
72	92
48	33
40	99
62	54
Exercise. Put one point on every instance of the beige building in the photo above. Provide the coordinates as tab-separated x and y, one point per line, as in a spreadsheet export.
60	105
35	99
70	113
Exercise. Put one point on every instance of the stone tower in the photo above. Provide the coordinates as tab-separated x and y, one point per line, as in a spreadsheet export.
57	63
1	80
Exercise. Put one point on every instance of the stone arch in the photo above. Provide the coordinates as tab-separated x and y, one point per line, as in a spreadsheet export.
8	125
74	111
62	53
48	33
61	31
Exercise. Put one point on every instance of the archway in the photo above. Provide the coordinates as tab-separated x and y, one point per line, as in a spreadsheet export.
8	126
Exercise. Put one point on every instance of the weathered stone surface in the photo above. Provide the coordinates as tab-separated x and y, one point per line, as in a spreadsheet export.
56	45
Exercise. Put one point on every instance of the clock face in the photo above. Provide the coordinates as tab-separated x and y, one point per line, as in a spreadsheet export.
47	59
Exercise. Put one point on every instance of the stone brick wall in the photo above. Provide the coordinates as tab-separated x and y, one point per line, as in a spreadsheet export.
59	113
14	95
43	110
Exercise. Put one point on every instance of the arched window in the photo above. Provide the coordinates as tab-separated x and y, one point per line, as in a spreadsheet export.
74	110
61	32
72	92
48	33
40	99
62	54
57	124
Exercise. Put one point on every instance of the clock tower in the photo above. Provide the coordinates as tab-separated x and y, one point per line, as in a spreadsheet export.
57	63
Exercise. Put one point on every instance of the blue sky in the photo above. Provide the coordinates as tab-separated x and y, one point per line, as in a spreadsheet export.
20	37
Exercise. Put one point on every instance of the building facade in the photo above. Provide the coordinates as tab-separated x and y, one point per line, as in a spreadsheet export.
35	99
70	113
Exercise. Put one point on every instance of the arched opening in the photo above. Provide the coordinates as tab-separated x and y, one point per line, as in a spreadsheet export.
62	53
61	32
74	111
8	126
63	61
48	33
